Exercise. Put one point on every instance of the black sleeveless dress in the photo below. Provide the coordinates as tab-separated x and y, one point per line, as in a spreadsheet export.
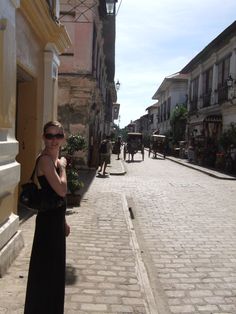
46	279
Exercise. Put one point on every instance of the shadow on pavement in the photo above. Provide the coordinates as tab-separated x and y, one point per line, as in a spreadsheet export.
86	176
71	276
24	213
102	176
158	158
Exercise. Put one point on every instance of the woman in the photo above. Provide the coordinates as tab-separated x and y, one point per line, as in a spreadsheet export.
118	147
46	280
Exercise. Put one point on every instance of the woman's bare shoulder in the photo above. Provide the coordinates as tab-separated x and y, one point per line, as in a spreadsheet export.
45	161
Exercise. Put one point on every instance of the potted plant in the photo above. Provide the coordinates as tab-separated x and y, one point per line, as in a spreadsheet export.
74	185
74	144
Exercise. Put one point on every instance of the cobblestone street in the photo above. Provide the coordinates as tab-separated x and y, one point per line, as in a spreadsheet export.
185	235
186	226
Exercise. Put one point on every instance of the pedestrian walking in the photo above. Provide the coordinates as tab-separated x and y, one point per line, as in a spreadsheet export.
46	279
117	147
105	154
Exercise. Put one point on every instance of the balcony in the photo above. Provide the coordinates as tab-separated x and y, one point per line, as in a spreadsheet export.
222	94
206	99
193	105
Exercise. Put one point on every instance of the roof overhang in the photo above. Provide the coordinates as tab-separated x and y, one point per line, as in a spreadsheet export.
213	46
47	29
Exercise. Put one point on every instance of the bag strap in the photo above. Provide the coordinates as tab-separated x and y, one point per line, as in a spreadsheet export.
36	163
34	170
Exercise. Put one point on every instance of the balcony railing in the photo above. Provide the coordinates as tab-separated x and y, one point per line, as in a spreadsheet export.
193	105
222	94
206	99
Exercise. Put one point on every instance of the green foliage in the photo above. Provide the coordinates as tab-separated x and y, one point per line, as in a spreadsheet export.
178	123
228	137
123	134
74	143
115	132
74	184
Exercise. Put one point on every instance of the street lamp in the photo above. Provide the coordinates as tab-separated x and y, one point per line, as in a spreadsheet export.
117	85
111	7
230	81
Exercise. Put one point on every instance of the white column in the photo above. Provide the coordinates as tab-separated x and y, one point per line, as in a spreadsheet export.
199	105
232	67
11	240
214	83
51	63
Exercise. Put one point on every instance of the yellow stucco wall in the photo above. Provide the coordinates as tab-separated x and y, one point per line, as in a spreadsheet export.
30	52
26	30
28	35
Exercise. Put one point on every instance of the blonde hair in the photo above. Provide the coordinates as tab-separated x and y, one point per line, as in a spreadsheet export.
52	124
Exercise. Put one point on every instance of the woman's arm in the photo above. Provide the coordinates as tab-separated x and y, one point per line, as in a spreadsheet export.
57	181
67	229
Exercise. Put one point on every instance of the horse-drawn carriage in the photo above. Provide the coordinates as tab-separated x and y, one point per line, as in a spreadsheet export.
133	145
157	145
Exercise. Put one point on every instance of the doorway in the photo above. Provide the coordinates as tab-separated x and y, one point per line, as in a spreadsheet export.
26	122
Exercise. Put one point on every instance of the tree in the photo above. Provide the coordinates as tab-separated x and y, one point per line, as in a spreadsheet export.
228	137
74	143
178	123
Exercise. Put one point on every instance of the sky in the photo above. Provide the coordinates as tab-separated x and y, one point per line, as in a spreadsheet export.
157	38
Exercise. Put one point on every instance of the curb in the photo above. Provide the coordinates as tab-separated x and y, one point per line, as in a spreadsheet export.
150	303
202	170
121	172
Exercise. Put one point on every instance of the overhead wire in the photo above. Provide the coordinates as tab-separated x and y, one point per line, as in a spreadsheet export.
118	7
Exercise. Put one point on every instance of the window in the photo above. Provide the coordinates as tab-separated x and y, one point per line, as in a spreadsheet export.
223	74
223	71
207	81
158	115
194	94
207	87
168	108
151	119
161	113
164	113
94	54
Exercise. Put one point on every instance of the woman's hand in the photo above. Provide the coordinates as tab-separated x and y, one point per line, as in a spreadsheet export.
63	162
67	229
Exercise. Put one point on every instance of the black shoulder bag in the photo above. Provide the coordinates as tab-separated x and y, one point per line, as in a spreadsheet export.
39	199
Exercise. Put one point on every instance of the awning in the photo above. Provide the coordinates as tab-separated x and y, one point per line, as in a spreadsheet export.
197	120
213	118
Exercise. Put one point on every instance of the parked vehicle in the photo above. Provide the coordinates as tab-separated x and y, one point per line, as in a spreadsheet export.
157	145
133	145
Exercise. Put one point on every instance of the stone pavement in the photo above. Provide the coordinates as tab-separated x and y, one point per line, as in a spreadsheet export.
211	172
105	273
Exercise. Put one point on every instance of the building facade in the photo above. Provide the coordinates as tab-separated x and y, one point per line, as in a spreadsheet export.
152	112
171	93
212	91
31	40
86	75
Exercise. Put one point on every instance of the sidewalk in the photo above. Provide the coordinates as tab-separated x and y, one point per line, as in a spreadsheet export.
105	272
116	166
210	172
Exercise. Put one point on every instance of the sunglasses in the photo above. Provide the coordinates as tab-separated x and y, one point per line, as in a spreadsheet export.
50	136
